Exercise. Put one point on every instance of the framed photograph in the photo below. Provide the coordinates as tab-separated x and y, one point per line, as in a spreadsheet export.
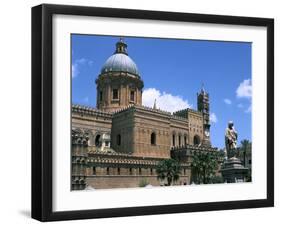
145	112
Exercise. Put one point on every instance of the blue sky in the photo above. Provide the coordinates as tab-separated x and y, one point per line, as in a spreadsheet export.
173	72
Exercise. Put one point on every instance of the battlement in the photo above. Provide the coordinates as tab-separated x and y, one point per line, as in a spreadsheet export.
189	110
127	108
153	110
89	111
179	118
138	107
181	113
115	158
193	148
184	113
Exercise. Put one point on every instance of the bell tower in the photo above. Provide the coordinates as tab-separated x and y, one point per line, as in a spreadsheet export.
203	105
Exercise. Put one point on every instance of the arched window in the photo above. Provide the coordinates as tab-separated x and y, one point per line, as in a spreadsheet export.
97	141
118	139
174	140
115	95
196	140
179	140
100	95
153	139
132	96
185	140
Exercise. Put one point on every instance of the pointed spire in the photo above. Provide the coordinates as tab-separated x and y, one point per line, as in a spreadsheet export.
203	88
121	46
154	105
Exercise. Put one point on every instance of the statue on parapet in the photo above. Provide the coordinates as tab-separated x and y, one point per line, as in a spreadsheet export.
230	140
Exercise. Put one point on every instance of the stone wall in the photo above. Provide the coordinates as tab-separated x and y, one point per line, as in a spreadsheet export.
105	182
179	132
117	170
122	132
151	134
196	129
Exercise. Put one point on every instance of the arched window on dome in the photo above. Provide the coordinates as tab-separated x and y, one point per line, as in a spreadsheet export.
132	96
101	96
115	94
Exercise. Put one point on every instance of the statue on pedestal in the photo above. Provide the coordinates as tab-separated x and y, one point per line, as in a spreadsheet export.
232	169
230	140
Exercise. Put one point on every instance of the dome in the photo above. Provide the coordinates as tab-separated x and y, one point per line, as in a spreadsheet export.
120	61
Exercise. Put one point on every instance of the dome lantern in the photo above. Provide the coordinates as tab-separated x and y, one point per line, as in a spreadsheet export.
121	47
120	61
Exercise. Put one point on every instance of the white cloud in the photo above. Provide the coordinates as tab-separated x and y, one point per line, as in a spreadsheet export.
244	89
227	101
164	101
240	106
75	71
78	63
84	61
213	118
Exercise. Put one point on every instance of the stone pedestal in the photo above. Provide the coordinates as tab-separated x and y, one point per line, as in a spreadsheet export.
233	171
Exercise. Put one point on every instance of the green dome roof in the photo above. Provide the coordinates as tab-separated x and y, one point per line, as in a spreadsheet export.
120	61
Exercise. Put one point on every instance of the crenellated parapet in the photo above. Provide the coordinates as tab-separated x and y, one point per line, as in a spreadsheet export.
184	154
184	112
154	110
86	110
181	113
121	159
193	148
193	111
124	109
141	107
176	117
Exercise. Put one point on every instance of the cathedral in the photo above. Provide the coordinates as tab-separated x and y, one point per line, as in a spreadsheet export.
119	143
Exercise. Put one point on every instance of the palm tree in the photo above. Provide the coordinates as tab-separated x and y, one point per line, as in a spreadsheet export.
245	152
204	165
168	169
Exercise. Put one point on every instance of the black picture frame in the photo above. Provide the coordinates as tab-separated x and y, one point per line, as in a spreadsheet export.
42	111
